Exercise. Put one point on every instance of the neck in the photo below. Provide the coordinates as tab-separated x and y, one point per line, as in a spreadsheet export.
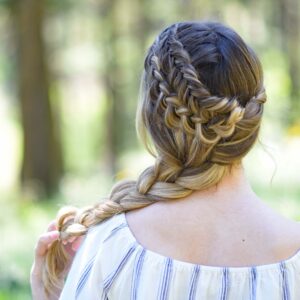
234	187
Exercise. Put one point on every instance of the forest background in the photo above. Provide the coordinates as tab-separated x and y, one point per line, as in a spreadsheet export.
69	82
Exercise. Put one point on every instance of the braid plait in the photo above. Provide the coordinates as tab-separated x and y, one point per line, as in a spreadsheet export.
192	108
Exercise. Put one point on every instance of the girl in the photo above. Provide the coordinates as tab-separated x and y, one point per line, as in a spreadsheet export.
191	227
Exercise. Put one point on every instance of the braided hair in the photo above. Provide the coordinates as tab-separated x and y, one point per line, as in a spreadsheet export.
201	109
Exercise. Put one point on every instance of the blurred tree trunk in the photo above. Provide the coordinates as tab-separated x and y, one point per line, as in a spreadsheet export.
111	81
143	26
289	19
42	160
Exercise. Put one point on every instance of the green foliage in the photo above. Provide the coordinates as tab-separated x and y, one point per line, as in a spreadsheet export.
21	224
58	6
7	3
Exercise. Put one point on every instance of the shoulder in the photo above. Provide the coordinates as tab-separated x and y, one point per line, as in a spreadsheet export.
92	259
286	235
102	231
96	237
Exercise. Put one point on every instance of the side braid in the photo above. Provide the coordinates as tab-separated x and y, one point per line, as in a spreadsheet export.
197	134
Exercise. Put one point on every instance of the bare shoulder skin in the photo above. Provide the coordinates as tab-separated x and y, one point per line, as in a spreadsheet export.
226	225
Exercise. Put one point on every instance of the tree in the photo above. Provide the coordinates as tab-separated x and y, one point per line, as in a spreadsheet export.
42	159
289	21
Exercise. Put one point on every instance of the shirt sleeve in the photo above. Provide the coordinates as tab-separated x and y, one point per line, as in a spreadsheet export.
84	280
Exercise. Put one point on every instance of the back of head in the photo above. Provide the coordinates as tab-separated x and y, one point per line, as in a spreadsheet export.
202	102
201	108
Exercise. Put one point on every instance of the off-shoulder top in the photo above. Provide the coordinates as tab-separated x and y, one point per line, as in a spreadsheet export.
111	264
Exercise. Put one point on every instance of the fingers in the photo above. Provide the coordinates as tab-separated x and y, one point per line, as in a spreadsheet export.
76	244
36	274
42	246
45	241
72	244
52	226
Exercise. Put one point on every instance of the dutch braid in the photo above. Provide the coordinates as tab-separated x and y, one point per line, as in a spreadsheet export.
197	135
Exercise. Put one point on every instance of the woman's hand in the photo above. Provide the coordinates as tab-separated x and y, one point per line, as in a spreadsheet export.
42	246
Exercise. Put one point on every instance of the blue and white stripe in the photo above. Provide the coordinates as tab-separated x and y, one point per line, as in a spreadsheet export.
84	276
114	231
108	281
194	282
225	284
285	284
253	283
137	274
163	291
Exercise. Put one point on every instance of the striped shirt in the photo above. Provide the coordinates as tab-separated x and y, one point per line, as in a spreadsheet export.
111	264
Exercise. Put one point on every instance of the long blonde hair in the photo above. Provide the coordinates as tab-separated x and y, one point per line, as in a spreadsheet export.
200	111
